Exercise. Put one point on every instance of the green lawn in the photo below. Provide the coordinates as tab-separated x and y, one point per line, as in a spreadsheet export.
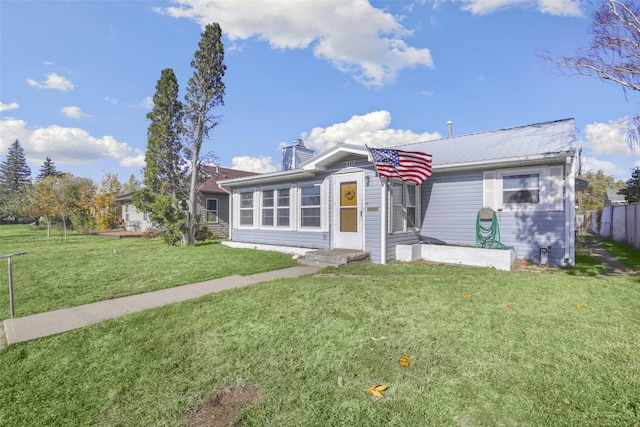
486	347
92	268
628	255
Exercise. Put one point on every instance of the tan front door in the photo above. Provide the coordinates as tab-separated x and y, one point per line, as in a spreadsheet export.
347	224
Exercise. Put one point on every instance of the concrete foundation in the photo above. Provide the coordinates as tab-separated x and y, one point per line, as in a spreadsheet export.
461	255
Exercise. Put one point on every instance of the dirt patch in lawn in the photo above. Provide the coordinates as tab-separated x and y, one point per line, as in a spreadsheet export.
220	409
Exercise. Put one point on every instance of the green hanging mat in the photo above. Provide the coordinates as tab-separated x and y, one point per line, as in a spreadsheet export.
488	236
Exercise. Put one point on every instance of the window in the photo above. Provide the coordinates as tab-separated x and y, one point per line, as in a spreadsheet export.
212	210
267	208
246	208
275	208
521	189
283	207
126	212
310	206
404	209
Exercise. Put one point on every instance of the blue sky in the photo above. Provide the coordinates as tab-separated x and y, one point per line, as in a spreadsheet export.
77	77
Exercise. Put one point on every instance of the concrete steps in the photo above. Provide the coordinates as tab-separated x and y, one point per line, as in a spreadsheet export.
334	258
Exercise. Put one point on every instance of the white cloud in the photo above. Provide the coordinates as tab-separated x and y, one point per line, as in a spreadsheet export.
66	144
53	81
354	36
608	168
370	129
254	164
608	138
550	7
73	112
7	107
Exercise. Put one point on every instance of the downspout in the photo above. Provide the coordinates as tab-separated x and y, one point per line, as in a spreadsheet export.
570	214
383	224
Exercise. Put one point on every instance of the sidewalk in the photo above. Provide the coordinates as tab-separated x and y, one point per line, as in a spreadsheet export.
44	324
613	267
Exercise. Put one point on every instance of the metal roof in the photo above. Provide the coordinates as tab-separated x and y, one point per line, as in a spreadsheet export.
541	139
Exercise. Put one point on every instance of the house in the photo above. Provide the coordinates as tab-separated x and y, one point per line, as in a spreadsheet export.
612	198
131	218
212	203
336	199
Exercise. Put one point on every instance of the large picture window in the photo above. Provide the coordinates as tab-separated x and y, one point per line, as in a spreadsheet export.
310	206
246	209
212	210
404	210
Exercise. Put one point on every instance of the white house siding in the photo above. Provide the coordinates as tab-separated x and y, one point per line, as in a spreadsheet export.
450	208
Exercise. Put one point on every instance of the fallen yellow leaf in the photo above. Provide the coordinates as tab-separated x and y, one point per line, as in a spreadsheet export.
377	389
404	361
579	307
467	296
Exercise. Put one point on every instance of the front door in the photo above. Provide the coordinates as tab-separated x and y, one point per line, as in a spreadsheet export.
347	218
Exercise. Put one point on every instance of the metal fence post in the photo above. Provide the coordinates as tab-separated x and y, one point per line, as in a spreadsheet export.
10	268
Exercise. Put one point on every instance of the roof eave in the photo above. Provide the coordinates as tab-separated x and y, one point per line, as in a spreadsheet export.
266	178
537	159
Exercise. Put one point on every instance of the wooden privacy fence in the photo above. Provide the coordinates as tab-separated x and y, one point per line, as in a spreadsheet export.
619	223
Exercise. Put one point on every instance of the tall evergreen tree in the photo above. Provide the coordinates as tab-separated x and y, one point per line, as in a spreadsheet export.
164	173
15	179
15	174
164	170
205	91
48	168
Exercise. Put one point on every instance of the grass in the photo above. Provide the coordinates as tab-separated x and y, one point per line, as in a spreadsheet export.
92	268
487	348
629	256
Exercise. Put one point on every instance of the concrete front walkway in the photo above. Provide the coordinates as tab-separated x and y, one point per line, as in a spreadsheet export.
44	324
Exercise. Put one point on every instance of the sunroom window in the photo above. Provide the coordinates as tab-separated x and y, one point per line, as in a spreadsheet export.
310	206
246	208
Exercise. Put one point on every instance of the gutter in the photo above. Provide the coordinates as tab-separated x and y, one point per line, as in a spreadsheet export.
510	161
266	178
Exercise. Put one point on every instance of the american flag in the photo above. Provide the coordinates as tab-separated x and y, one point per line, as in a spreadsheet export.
410	166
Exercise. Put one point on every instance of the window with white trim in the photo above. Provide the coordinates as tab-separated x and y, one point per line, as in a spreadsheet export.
310	212
211	206
246	208
267	208
521	189
404	206
283	207
533	188
276	207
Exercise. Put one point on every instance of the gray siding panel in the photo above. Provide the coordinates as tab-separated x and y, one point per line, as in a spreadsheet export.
450	209
394	239
450	204
300	239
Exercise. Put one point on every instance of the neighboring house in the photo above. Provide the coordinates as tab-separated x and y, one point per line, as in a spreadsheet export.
612	198
212	203
336	199
132	218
